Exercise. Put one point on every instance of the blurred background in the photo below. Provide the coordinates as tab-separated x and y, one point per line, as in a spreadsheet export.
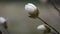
18	20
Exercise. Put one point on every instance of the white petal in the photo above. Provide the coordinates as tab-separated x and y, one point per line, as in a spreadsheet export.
30	7
2	20
41	27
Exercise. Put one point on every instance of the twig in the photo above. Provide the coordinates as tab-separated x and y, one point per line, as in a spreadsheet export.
48	25
54	6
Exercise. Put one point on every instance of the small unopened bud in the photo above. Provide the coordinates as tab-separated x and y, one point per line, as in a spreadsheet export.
3	22
44	28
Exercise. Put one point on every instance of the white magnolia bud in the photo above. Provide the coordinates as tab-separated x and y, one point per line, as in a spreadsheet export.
2	20
30	7
41	27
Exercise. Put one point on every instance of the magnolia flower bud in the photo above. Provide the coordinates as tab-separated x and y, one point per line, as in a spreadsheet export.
2	20
44	28
41	27
32	10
